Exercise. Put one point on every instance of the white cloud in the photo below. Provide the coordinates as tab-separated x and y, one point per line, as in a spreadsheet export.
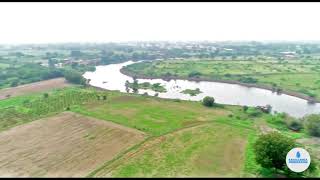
101	22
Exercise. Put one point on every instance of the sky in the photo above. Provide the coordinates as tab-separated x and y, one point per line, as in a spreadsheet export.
114	22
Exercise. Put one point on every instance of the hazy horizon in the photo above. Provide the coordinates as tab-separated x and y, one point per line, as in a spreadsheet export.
52	23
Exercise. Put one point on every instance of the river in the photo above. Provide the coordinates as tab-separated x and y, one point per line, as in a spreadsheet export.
109	77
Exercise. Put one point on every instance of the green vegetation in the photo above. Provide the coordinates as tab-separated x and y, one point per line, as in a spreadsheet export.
184	137
208	101
146	85
200	151
312	123
19	110
74	77
300	76
27	73
274	159
270	157
191	92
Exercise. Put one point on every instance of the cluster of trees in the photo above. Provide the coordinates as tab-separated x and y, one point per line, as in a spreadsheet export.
74	77
33	72
27	73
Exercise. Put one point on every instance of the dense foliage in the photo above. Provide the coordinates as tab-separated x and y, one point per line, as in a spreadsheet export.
27	73
312	123
271	150
208	101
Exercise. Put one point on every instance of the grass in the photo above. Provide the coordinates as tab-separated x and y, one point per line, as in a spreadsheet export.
152	115
185	138
192	92
198	151
301	76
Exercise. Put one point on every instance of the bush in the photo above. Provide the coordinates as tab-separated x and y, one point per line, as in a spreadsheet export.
245	108
145	94
45	95
312	124
208	101
253	112
293	124
271	150
194	74
248	80
14	83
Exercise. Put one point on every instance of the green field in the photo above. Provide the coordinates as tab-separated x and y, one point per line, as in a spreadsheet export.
185	138
214	149
302	76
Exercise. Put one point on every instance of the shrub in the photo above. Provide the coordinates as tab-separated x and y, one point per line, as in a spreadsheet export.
194	74
253	112
312	124
270	157
245	108
248	80
293	124
45	95
208	101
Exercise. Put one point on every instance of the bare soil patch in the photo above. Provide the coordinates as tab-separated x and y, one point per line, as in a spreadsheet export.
66	145
34	87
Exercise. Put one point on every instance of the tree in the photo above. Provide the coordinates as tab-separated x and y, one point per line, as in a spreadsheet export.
45	95
135	85
208	101
51	63
245	108
75	53
194	74
312	124
271	150
127	85
74	77
14	82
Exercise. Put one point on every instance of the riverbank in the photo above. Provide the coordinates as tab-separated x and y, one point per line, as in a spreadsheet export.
168	78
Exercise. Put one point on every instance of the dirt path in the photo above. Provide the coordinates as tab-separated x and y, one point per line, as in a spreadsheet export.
34	87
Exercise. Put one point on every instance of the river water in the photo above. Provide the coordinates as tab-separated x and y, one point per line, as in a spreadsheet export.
109	77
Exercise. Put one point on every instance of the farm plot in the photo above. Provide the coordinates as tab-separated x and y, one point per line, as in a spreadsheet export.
209	150
66	145
33	88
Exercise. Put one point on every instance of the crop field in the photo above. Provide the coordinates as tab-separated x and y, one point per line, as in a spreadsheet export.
34	88
65	145
22	109
203	151
294	75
